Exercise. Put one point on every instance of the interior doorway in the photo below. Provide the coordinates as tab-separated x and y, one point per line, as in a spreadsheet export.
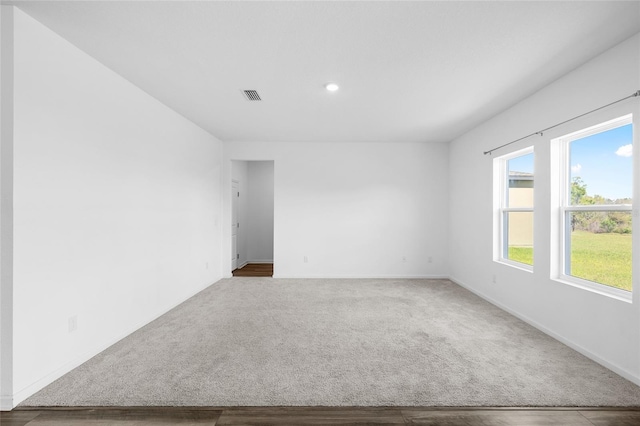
235	194
252	218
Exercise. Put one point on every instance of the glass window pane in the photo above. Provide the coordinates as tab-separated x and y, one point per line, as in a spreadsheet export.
601	168
519	237
599	249
520	175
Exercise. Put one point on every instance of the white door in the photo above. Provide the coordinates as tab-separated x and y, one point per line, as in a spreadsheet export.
235	193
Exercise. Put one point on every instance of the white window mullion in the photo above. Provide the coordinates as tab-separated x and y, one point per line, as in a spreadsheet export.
600	208
518	210
566	253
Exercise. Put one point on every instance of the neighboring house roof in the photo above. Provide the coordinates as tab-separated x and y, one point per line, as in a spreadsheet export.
520	179
513	175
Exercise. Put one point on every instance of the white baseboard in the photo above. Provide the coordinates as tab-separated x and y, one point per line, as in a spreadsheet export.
6	403
616	369
22	394
261	261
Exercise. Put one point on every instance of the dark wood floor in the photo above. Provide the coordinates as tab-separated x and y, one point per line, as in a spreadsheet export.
302	416
255	270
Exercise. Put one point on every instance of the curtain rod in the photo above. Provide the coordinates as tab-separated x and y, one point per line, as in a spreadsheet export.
541	132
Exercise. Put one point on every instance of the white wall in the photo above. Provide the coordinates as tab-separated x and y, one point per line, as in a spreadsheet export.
354	209
605	329
260	211
116	207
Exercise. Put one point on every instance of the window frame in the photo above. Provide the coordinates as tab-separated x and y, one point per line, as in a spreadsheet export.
566	208
501	191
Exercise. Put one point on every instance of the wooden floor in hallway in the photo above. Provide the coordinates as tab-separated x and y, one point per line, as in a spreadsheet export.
303	416
255	270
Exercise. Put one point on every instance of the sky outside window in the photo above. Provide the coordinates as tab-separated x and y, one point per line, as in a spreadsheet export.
523	164
604	162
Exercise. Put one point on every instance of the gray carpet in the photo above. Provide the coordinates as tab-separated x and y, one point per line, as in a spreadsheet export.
263	341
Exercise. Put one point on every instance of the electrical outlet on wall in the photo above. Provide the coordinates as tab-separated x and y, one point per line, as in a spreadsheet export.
73	323
430	259
404	259
494	279
305	259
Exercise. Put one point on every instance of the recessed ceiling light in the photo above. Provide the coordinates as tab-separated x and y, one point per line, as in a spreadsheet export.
332	87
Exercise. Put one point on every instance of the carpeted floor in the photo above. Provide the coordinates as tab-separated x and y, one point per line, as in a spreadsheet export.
263	341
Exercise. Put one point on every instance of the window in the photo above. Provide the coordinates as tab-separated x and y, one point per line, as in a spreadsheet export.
596	190
514	208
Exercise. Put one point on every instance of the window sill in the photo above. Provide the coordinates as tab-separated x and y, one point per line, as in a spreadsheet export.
522	266
601	289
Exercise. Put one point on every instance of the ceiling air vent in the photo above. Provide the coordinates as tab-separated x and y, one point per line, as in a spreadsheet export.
251	95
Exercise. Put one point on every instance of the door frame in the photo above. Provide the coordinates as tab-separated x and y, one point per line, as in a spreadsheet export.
235	195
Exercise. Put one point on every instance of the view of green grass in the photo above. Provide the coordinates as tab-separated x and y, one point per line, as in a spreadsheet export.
603	258
521	254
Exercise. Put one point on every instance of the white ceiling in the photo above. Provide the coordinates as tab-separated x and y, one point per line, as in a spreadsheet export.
408	71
